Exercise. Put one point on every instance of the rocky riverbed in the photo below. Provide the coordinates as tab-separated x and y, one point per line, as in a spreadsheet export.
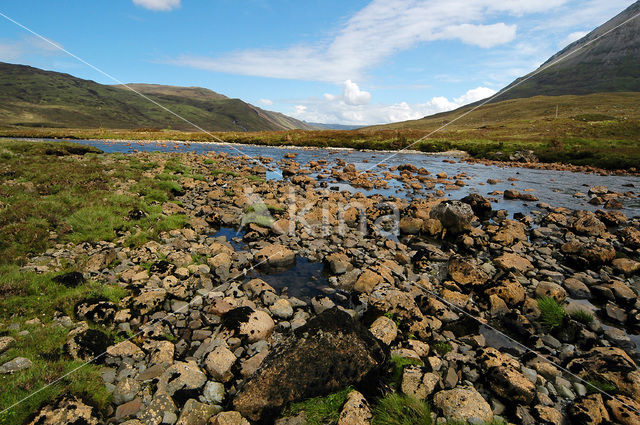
280	290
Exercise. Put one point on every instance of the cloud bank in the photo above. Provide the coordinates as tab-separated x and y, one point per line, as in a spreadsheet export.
353	107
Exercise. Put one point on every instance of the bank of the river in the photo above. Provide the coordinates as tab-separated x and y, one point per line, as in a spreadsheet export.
235	288
596	148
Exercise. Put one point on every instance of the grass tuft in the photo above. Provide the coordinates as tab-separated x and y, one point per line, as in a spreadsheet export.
397	409
320	410
551	313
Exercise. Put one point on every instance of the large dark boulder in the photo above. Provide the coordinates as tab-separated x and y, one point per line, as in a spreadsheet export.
329	353
455	216
479	204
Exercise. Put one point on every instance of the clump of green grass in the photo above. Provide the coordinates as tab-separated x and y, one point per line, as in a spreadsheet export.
320	410
551	313
175	166
398	409
229	192
43	347
582	316
256	179
441	347
218	172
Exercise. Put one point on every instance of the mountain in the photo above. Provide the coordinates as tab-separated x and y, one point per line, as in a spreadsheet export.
609	64
33	97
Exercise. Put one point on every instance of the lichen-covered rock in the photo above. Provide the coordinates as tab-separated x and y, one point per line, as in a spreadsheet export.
87	344
466	272
588	410
624	410
67	411
463	404
249	324
329	353
384	329
455	216
355	411
196	413
219	363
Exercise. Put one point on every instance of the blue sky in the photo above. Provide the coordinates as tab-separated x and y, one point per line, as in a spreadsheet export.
356	62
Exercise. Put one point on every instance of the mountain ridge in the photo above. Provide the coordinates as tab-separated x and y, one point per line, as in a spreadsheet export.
33	97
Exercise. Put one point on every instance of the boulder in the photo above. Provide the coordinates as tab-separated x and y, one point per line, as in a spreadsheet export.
504	376
481	206
455	216
251	325
276	256
624	410
87	344
219	363
509	232
625	266
466	272
588	410
338	262
70	280
97	310
229	418
416	383
587	223
327	354
610	364
16	365
550	289
6	342
384	329
463	404
196	413
513	262
67	411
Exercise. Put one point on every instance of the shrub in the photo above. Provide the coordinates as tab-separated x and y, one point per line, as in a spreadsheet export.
441	347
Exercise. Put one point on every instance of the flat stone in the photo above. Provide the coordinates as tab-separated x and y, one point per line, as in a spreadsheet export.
16	365
219	363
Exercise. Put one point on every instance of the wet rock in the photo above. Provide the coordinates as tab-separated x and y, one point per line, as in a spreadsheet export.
384	329
610	364
465	272
367	281
588	410
550	289
455	216
463	404
410	225
70	280
481	206
577	289
588	254
67	411
282	309
513	262
630	236
511	194
219	363
355	411
338	262
196	413
615	313
16	365
276	255
330	352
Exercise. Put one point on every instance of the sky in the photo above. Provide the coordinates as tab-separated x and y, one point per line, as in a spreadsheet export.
342	62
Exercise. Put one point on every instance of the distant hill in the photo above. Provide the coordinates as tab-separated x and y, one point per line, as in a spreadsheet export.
333	126
610	64
32	97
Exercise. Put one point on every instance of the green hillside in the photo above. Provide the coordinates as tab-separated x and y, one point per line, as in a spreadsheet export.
31	97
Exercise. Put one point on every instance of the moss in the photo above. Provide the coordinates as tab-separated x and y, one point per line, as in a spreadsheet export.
320	410
398	364
441	347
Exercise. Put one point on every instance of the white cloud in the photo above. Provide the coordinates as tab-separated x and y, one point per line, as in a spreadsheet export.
574	36
14	50
334	109
353	95
267	102
161	5
374	33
